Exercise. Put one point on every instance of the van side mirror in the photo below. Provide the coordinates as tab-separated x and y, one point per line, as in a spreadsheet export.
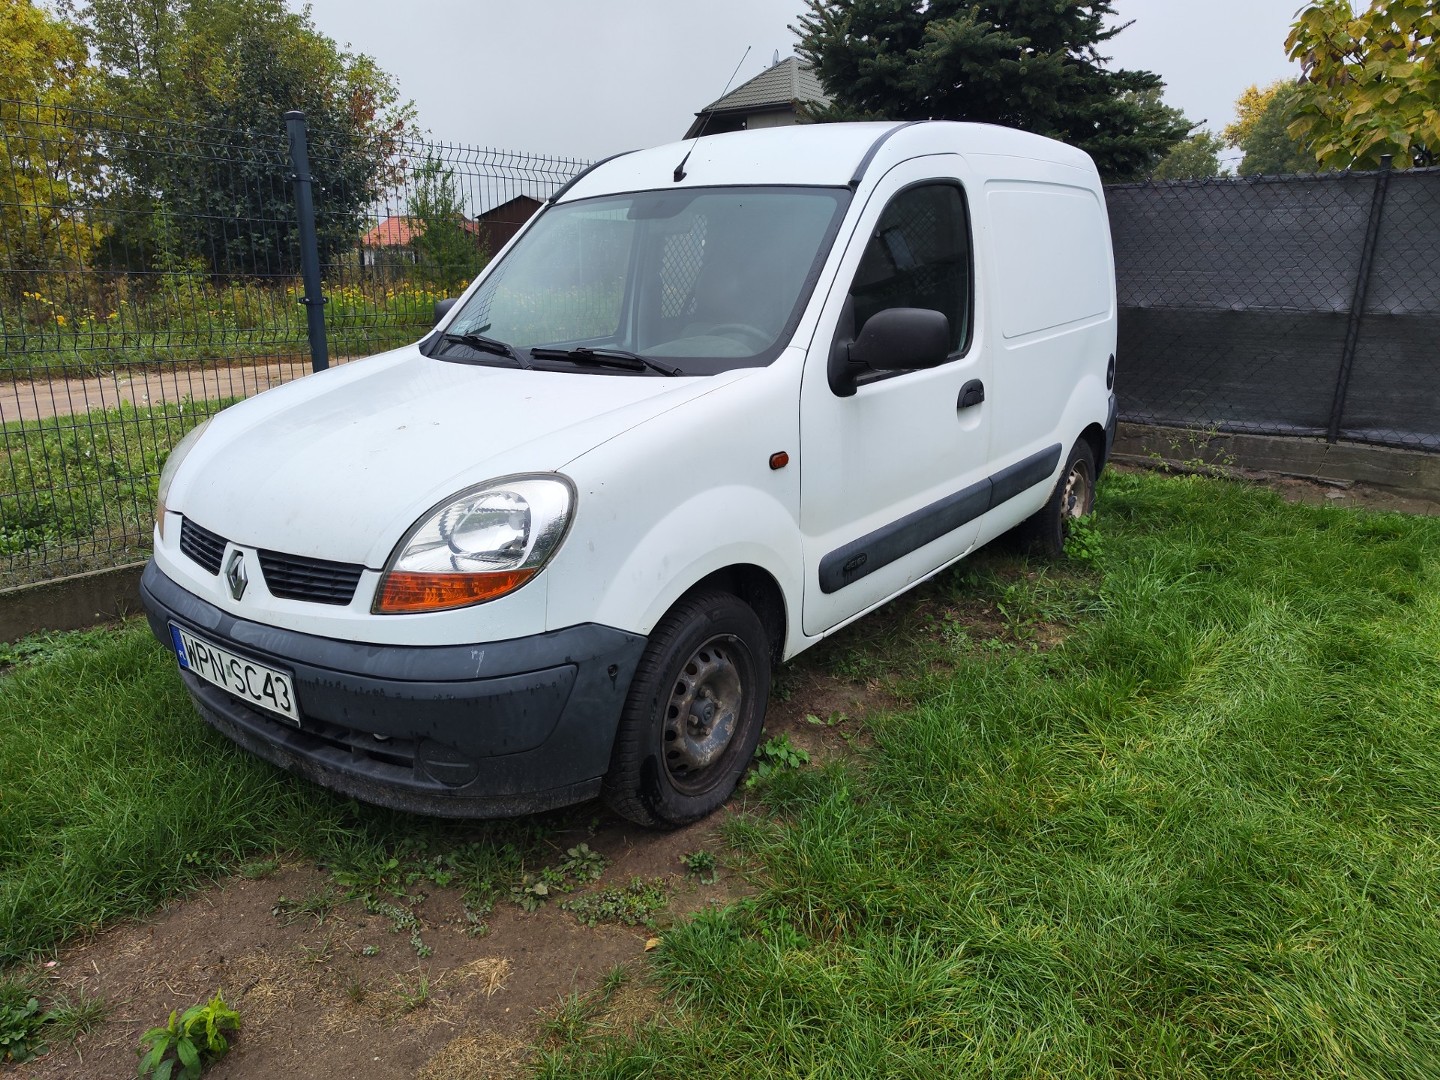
442	308
895	339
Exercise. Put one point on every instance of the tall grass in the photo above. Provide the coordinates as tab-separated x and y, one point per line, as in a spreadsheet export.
73	487
115	796
179	318
1198	838
1201	838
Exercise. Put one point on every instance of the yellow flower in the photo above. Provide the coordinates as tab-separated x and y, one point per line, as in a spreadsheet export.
60	320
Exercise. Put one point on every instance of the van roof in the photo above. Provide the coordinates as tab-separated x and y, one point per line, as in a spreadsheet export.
826	155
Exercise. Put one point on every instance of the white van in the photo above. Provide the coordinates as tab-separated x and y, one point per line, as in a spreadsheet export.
715	401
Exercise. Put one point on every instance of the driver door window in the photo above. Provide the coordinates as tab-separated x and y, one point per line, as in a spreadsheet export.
919	256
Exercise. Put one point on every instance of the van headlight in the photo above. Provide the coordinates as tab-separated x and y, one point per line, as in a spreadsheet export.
478	545
172	466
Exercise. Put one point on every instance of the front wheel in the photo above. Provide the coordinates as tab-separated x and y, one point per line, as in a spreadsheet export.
1074	497
694	713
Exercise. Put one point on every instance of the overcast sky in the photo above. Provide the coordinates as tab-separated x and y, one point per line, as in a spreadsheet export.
585	79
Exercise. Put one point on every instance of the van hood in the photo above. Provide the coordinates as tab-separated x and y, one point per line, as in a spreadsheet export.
340	464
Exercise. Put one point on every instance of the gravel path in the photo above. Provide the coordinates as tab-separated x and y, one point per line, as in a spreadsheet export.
40	399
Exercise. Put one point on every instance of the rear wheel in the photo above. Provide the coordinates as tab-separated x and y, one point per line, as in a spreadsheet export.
1074	497
694	713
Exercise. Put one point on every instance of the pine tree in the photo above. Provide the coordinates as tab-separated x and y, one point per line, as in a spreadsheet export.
1030	64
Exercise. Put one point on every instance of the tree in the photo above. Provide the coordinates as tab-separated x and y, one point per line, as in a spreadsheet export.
446	250
1371	82
1031	64
1261	129
203	86
1193	159
44	160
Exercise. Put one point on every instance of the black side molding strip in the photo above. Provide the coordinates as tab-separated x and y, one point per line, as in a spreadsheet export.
853	561
1023	475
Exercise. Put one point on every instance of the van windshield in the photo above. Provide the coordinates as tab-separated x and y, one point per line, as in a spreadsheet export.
704	280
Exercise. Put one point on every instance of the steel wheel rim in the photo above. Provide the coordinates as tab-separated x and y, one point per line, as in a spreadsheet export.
1075	500
703	712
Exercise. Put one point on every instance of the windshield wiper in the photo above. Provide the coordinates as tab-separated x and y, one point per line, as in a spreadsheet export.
616	358
481	343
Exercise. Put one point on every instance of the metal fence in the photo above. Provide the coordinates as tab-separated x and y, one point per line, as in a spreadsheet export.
150	273
1298	305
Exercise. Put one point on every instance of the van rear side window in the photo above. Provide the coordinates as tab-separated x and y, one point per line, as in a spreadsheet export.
1052	251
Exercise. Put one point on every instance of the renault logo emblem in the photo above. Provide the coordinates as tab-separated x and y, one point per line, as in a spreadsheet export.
235	574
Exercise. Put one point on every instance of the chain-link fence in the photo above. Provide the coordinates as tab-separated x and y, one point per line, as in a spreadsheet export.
150	273
1299	305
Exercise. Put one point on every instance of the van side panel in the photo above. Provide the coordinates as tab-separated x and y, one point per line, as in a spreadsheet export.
1053	302
1050	260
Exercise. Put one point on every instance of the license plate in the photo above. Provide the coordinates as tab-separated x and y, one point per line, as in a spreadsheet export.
261	686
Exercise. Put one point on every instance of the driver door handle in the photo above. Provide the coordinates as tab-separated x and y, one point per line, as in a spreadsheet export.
971	394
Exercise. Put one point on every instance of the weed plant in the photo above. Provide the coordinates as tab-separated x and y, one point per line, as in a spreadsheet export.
73	1015
22	1020
188	1042
633	904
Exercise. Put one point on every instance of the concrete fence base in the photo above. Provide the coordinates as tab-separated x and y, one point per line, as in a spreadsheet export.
70	603
1409	473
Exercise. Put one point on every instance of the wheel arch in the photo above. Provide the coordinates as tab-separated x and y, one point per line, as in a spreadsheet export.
758	588
1094	437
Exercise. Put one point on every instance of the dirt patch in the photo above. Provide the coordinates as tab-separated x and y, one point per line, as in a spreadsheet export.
337	990
1354	494
327	988
822	715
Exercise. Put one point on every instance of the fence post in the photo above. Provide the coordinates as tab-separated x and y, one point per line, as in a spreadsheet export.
309	247
1357	302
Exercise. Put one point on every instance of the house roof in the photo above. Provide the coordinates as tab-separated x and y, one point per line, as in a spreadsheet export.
527	204
788	81
402	230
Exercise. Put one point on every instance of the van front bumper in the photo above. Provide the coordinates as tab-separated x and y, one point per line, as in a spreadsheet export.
487	730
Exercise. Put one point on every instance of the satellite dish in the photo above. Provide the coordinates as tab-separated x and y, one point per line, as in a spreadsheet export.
775	59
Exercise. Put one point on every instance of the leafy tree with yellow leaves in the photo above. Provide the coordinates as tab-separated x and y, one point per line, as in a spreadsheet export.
44	160
1372	82
1261	129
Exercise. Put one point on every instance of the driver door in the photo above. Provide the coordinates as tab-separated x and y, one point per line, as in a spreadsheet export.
894	477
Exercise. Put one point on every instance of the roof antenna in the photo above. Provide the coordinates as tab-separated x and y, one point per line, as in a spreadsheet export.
680	169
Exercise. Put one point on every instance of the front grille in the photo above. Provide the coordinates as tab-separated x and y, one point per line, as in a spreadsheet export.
201	545
319	581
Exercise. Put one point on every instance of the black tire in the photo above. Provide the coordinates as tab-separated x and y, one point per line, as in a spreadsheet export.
709	661
1044	532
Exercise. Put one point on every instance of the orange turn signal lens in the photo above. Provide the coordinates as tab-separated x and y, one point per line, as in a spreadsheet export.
407	593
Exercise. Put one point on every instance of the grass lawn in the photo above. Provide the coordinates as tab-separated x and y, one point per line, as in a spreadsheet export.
1196	832
77	489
